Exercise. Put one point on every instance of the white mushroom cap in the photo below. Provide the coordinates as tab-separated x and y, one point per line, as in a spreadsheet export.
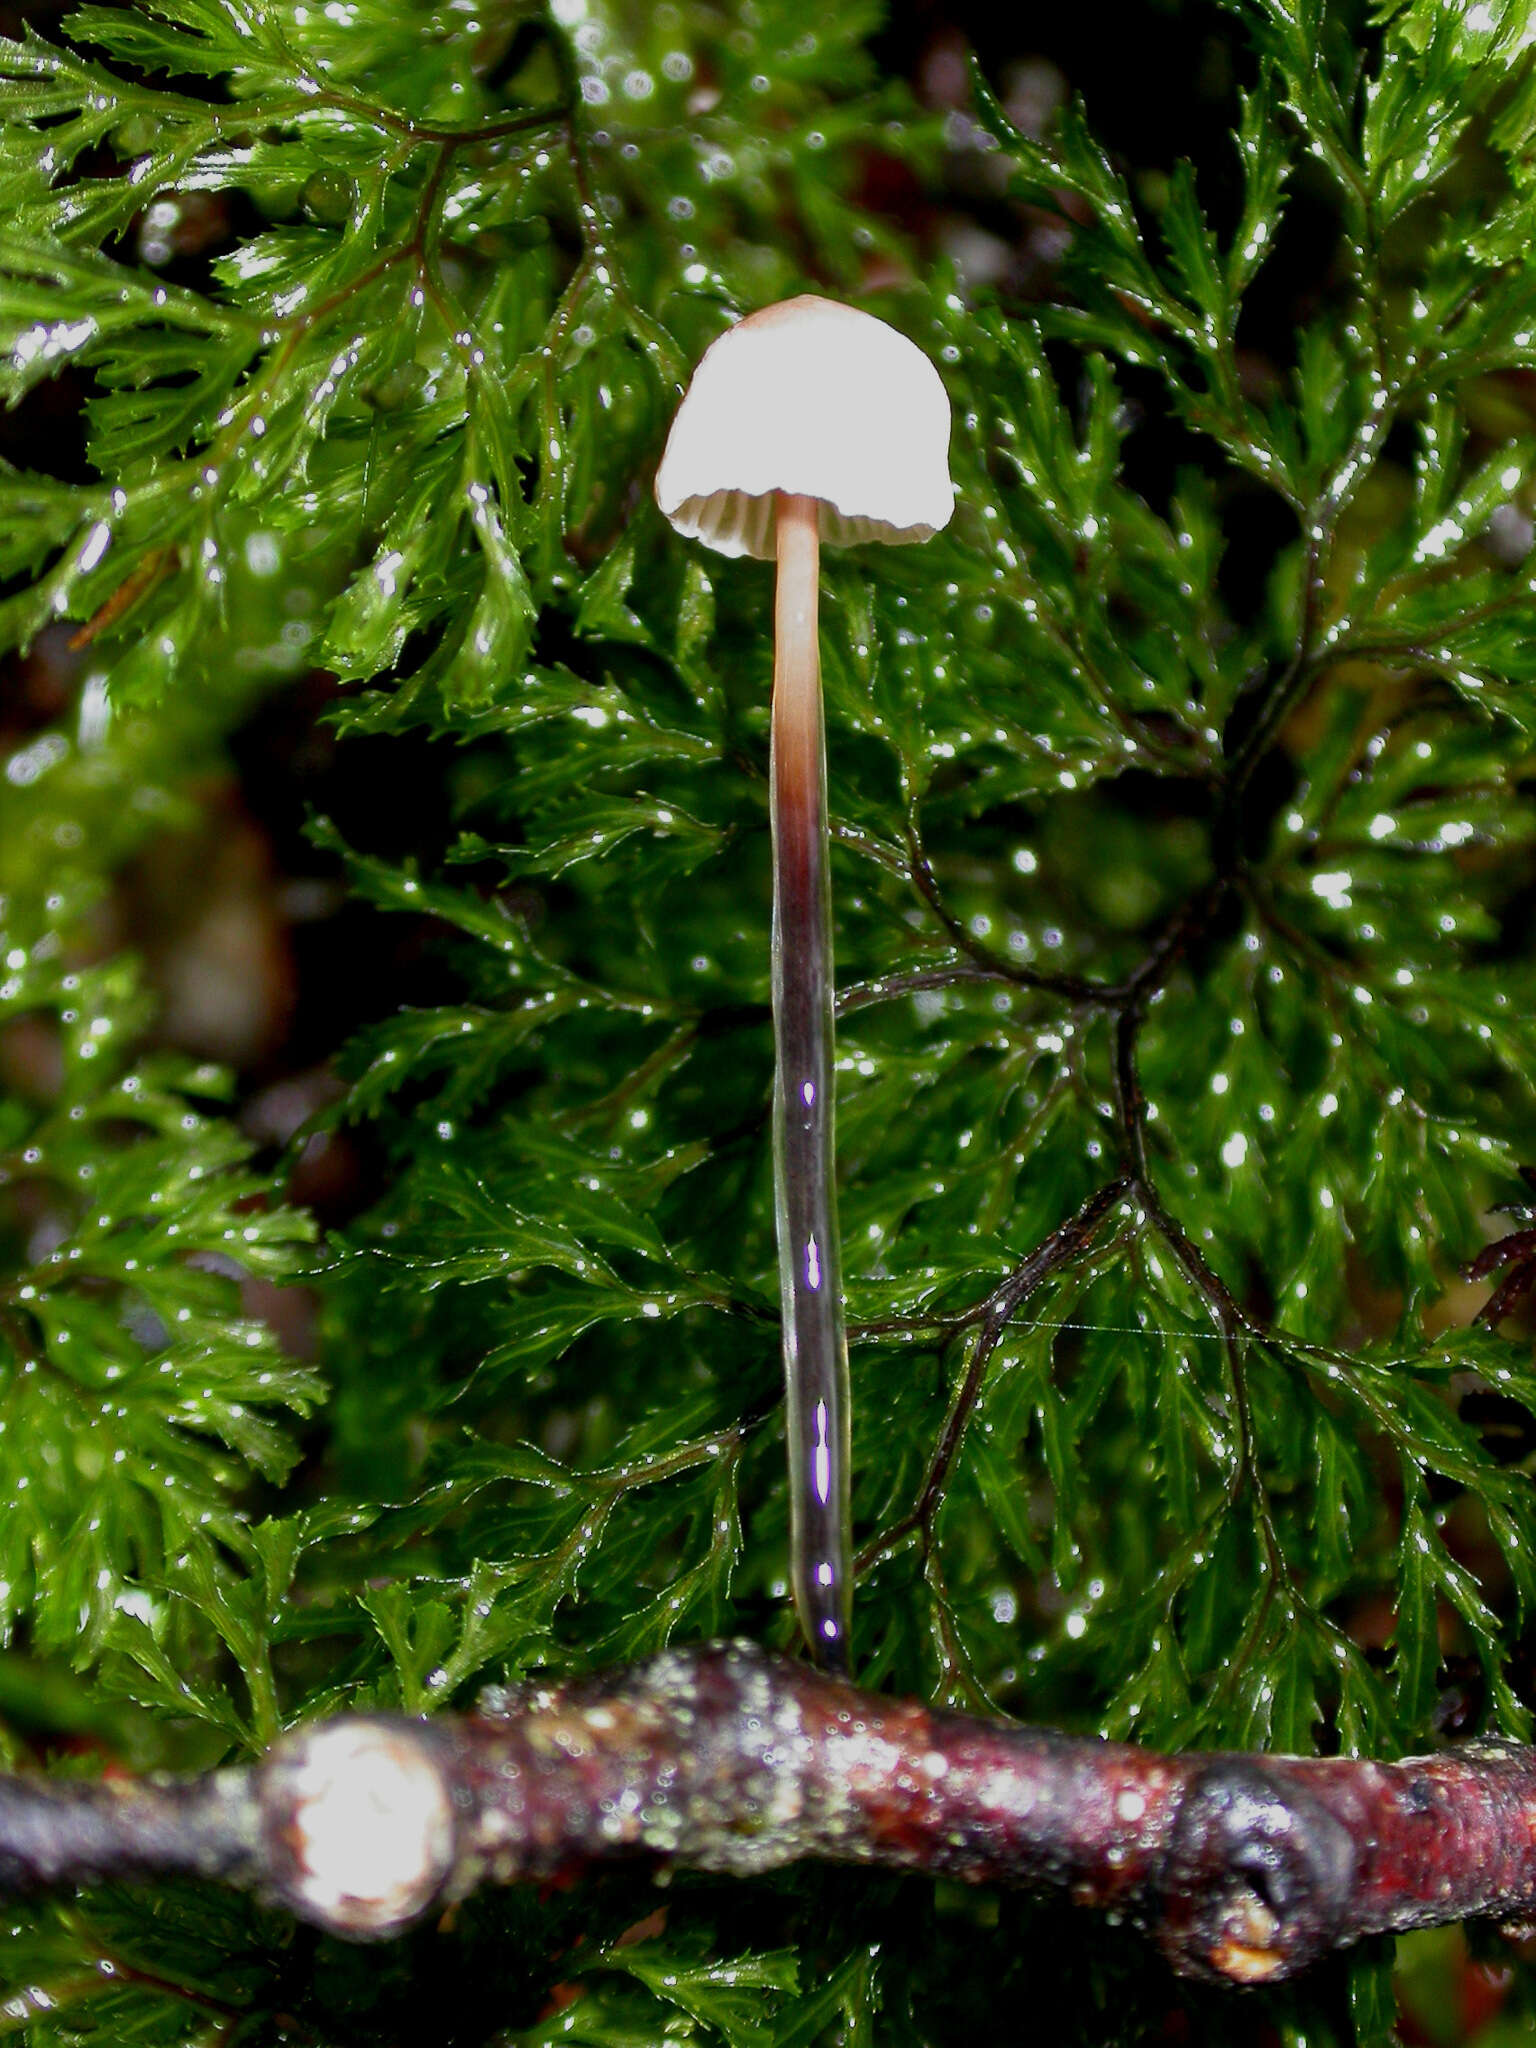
816	398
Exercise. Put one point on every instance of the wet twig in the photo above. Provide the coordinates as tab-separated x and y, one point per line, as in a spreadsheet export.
1243	1869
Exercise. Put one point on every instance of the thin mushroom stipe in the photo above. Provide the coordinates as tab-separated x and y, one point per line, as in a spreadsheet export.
817	1422
808	422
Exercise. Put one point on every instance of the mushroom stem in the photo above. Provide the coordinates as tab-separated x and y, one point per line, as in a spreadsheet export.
810	1279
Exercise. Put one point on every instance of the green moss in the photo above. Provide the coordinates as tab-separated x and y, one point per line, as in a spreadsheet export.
1185	849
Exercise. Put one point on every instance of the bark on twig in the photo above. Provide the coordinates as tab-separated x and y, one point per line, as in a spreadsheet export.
1244	1869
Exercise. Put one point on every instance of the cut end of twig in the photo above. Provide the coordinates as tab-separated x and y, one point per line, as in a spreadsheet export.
360	1829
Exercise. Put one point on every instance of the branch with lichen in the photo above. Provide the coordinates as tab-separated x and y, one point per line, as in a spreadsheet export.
1243	1869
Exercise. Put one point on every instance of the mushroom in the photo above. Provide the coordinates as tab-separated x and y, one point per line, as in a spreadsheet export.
808	421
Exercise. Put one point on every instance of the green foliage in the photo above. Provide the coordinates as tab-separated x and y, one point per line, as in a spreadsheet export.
140	1396
1183	869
